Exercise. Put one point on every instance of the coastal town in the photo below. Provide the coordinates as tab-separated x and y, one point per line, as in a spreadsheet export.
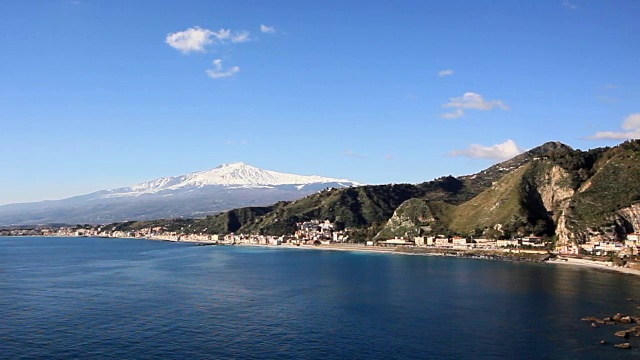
323	232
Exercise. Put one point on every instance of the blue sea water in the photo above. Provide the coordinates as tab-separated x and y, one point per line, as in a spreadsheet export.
93	298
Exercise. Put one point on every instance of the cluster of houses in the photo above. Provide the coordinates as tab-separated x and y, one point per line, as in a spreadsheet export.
319	232
628	247
462	243
313	232
600	247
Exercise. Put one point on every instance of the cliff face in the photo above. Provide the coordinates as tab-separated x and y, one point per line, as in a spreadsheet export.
556	198
606	199
628	219
556	190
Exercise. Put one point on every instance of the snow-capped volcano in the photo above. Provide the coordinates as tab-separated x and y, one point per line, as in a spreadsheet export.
236	175
196	194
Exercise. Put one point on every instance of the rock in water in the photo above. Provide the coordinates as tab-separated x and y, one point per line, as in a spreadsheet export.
626	320
622	333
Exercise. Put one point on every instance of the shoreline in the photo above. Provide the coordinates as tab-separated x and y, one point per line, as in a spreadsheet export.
469	254
486	255
599	265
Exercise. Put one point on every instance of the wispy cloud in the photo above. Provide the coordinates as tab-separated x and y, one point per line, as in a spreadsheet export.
197	39
390	157
569	5
610	86
447	72
471	100
504	151
240	37
630	127
352	154
267	29
218	72
454	114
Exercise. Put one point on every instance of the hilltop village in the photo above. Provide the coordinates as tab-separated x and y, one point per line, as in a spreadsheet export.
323	232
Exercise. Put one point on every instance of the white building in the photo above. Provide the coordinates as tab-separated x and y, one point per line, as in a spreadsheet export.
633	239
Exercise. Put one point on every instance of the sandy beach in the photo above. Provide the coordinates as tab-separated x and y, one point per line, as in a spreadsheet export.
607	266
336	247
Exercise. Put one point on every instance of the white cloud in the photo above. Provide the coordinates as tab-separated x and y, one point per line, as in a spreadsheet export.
240	37
225	34
222	34
190	40
504	151
567	4
453	115
267	29
631	124
471	100
196	39
447	72
217	72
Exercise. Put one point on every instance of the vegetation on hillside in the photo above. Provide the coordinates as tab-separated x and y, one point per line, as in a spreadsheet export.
614	185
501	201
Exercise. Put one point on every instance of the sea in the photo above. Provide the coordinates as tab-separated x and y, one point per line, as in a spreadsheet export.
98	298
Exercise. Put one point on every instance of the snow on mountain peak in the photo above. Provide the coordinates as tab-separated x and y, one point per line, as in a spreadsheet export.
232	175
233	165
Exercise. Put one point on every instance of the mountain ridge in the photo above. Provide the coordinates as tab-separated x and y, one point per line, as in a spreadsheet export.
229	175
551	190
566	195
196	194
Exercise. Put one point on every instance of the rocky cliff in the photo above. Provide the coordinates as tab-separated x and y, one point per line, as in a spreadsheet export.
566	194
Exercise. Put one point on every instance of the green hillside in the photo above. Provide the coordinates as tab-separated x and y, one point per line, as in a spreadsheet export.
526	194
614	185
358	207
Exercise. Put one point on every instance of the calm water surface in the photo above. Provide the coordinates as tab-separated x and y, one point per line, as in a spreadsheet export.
90	298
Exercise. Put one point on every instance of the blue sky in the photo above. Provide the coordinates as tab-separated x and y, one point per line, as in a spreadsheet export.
99	94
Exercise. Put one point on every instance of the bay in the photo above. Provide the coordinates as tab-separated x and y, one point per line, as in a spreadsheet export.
94	298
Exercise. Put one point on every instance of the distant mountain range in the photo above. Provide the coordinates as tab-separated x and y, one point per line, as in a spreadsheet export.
567	195
553	191
197	194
